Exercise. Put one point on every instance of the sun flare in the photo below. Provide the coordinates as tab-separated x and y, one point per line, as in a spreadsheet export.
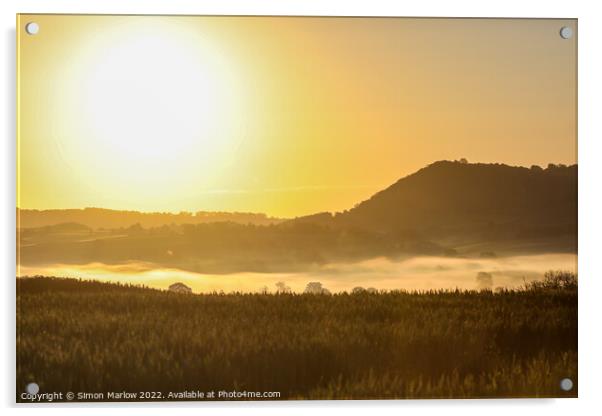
137	111
157	95
133	103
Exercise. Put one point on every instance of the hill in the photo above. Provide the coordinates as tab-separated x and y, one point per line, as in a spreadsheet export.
472	202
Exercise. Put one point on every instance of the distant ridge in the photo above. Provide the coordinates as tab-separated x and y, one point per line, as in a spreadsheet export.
109	218
452	198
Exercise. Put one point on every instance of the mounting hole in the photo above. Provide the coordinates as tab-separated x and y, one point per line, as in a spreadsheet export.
32	28
566	384
32	388
566	32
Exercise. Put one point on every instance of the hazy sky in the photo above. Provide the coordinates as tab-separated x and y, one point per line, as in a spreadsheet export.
287	116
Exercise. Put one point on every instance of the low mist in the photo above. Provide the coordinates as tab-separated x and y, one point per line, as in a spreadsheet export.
417	273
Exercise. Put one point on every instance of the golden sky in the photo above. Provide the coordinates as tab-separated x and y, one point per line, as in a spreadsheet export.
287	116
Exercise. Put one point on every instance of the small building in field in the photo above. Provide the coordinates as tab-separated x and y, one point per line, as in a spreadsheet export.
180	288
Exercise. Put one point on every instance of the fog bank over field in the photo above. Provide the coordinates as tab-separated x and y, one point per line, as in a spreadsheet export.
416	273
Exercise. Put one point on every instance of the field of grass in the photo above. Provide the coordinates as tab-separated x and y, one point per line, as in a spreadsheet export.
84	336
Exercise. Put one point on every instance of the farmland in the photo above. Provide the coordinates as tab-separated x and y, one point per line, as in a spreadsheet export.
87	336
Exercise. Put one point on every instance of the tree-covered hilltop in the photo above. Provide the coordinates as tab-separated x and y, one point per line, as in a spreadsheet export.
471	200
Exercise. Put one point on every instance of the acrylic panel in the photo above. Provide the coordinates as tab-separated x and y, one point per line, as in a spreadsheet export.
277	208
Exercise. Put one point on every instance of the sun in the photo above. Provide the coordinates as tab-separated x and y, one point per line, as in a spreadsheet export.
151	96
156	96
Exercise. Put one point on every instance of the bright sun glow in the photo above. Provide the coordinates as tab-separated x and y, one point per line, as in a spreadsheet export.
152	95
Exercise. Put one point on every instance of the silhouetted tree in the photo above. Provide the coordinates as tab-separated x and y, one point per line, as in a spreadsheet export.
316	288
281	287
484	281
135	229
555	280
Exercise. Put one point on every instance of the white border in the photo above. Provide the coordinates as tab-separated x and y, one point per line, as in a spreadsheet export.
590	201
